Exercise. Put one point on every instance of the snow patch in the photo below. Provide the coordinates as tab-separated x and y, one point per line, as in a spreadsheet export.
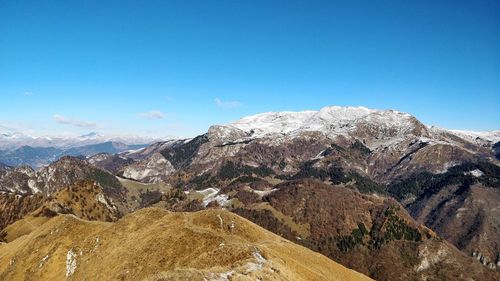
263	193
476	173
211	194
70	263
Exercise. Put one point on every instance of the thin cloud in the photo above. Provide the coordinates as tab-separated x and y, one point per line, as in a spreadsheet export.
27	94
227	104
154	114
74	122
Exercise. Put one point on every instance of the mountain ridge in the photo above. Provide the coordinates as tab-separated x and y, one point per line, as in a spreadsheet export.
259	166
37	157
207	245
299	120
12	139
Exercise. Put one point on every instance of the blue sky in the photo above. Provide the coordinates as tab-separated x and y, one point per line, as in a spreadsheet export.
176	67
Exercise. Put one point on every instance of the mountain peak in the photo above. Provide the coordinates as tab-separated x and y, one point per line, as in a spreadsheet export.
344	112
331	120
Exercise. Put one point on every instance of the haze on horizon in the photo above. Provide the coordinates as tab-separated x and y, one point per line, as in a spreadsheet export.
173	69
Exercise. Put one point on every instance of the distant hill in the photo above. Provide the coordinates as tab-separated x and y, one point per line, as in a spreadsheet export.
105	147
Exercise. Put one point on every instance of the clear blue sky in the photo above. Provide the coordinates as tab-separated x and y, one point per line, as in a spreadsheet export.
175	67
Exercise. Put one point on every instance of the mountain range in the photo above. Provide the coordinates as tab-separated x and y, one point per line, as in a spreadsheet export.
12	139
37	157
363	187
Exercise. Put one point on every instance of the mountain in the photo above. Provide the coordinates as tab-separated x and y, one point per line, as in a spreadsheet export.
154	244
32	156
367	150
37	157
19	180
110	162
14	207
105	147
461	205
11	139
479	137
50	179
145	164
381	144
363	232
331	121
359	185
85	199
22	190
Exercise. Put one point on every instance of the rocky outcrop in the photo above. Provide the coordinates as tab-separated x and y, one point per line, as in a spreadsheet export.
152	169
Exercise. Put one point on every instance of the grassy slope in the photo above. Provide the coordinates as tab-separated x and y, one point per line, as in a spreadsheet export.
153	244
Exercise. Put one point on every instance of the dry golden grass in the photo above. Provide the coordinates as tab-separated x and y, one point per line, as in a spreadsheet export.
153	244
23	227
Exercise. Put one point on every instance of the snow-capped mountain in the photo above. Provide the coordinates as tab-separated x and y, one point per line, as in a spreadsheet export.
371	151
37	157
332	121
394	144
490	136
17	148
337	120
306	166
15	139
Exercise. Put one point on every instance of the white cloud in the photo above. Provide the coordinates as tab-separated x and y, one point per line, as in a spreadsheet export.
74	122
154	114
227	104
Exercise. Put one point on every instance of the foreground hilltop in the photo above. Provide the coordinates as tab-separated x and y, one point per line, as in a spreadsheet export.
154	244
